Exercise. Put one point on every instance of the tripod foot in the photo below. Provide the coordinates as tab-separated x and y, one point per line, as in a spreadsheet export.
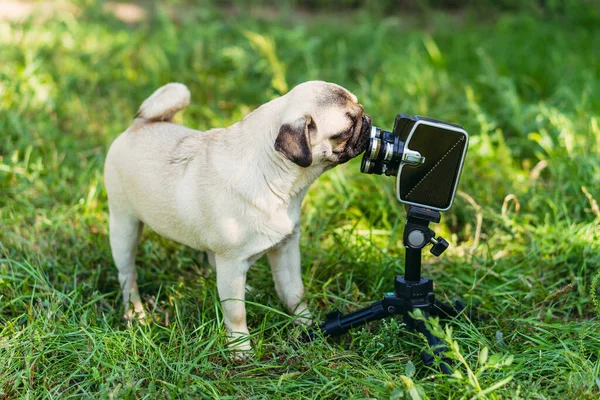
437	345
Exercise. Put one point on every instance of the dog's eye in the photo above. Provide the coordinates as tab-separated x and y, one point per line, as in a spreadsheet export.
341	137
344	135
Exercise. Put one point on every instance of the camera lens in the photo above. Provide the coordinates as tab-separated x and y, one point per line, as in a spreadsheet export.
383	153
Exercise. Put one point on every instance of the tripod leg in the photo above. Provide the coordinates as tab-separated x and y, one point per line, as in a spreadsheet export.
437	345
337	324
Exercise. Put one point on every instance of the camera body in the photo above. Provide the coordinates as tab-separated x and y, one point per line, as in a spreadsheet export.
425	155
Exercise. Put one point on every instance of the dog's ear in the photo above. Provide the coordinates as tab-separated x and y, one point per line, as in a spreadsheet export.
293	141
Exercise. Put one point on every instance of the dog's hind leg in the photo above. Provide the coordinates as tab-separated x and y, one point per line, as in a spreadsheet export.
125	233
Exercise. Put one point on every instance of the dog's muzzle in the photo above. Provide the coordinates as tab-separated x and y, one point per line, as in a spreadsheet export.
363	138
359	142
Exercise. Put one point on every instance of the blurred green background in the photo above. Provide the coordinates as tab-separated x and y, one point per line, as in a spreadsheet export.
522	77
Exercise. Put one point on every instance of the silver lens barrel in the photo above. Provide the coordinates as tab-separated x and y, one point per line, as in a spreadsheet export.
375	132
374	143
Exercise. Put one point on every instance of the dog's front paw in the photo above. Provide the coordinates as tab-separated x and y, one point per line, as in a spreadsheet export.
239	346
137	314
303	315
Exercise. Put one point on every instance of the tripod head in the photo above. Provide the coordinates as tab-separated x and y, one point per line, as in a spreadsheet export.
417	235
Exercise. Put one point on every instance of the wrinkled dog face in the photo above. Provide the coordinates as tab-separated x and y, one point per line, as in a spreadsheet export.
327	126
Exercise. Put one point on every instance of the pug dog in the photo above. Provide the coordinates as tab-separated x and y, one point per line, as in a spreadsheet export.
232	192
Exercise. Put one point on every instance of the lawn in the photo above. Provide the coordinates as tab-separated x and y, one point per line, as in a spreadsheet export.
524	229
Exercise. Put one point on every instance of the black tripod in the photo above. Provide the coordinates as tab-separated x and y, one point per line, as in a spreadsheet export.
412	291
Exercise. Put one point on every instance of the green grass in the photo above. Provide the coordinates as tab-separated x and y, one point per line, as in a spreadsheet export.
525	235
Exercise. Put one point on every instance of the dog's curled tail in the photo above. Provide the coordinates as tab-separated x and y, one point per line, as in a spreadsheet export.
164	103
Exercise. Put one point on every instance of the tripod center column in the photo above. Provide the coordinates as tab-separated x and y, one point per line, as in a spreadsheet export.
412	265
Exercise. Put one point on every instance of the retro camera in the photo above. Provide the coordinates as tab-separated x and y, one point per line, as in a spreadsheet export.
425	155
